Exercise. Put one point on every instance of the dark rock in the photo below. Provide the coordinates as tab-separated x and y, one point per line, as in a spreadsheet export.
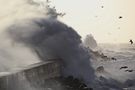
100	69
129	70
113	58
124	67
68	80
75	84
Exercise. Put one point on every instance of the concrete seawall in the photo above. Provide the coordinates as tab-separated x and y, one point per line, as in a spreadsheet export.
40	76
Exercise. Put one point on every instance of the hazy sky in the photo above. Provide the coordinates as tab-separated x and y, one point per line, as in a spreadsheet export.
88	16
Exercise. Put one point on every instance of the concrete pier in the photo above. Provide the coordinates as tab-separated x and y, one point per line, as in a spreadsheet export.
38	76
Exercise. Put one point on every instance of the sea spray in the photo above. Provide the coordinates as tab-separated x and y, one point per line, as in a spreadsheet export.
14	56
31	30
90	42
60	40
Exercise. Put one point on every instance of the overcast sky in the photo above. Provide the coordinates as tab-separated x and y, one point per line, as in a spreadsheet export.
100	18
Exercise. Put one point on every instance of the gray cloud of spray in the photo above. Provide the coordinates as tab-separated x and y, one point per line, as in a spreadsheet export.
27	30
61	41
14	56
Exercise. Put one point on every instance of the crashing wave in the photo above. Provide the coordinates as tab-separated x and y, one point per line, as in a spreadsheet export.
90	42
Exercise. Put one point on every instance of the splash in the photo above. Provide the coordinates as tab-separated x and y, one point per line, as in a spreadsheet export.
49	36
31	33
90	42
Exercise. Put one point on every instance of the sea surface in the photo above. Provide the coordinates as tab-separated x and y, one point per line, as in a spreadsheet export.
122	67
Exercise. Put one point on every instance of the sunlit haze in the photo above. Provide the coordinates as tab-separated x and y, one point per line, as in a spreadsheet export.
101	18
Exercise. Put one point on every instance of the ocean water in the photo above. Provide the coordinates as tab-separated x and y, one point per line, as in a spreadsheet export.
120	51
119	65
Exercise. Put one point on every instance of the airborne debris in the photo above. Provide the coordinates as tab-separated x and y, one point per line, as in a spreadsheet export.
102	6
131	41
120	17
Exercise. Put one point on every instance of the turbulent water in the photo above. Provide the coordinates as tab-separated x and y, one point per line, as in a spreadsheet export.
119	65
31	33
120	51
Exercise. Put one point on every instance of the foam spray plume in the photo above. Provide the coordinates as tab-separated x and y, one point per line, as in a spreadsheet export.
43	33
90	42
